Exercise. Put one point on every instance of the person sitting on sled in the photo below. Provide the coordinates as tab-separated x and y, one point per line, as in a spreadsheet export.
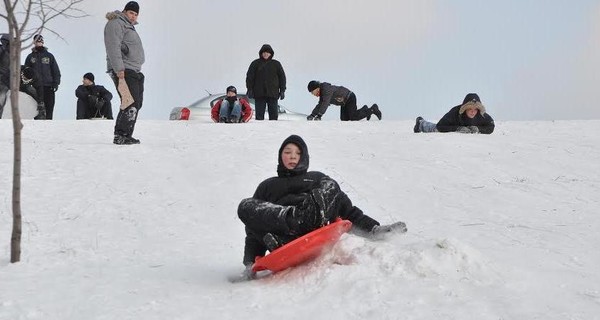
231	109
296	202
468	117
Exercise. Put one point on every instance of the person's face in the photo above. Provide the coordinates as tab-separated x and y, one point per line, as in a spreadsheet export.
39	43
471	112
266	55
131	16
87	82
231	94
316	92
290	156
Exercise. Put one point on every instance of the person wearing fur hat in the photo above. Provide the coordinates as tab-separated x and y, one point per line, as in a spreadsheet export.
340	96
125	57
468	117
266	83
296	202
231	109
46	67
93	101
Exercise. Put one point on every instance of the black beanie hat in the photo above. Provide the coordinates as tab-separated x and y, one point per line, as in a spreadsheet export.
232	89
133	6
313	85
89	76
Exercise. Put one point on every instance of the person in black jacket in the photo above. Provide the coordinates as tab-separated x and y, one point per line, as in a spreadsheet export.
296	202
339	96
468	117
46	67
265	82
93	100
31	85
4	70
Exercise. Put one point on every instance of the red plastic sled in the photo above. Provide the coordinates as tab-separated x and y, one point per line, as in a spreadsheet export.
302	249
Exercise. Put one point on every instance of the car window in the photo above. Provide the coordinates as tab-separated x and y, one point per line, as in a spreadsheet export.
213	101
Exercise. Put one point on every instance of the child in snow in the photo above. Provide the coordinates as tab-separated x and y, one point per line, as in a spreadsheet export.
339	96
296	202
468	117
231	109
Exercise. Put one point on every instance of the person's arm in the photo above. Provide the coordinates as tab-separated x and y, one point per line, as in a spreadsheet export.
214	111
488	126
282	80
448	122
106	95
250	75
81	92
55	72
324	99
113	37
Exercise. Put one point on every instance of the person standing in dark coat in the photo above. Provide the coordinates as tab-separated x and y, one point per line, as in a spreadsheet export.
265	82
45	66
125	57
93	100
340	96
296	202
468	117
4	70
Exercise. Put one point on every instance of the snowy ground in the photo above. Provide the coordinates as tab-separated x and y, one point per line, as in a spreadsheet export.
500	227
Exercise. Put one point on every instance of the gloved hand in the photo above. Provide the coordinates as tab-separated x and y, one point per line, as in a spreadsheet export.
281	95
474	129
314	117
55	88
463	130
250	94
379	231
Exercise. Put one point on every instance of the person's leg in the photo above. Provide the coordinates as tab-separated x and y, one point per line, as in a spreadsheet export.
127	118
261	104
3	98
224	111
263	216
273	108
49	99
81	110
426	126
107	110
236	112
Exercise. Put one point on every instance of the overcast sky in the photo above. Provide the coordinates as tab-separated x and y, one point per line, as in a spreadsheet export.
527	59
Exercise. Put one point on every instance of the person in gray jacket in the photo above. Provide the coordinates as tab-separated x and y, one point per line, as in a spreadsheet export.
125	57
339	96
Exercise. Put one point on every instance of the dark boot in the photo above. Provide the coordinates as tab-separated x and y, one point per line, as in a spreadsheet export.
369	112
417	127
41	112
375	110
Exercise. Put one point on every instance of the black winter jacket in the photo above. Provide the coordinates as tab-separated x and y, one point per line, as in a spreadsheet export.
330	94
44	64
265	78
84	92
291	186
453	119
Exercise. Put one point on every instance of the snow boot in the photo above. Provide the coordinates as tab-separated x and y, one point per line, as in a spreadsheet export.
417	127
369	112
375	110
123	140
41	112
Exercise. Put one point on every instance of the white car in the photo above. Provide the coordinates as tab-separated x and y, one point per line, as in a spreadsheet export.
200	110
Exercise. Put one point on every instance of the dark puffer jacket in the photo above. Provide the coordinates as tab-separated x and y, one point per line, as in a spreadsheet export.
265	78
330	94
45	66
291	186
457	117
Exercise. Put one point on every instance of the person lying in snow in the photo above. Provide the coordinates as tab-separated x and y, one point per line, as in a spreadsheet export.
468	117
296	202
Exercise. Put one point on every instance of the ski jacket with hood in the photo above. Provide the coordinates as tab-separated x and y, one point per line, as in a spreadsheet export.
291	186
45	66
124	48
265	78
457	117
330	94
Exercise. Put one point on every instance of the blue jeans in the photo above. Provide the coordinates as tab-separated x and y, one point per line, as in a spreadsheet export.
236	110
427	126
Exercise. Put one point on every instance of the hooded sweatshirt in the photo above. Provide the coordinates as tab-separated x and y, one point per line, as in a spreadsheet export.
265	77
124	48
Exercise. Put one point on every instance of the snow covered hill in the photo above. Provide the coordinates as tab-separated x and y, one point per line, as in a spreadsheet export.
503	226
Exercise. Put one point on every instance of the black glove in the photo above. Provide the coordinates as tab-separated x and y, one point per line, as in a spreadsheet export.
250	94
312	117
55	88
463	130
281	95
474	129
92	100
379	231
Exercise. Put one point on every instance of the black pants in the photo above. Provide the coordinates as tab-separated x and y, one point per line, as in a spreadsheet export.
49	99
127	118
85	111
349	112
261	104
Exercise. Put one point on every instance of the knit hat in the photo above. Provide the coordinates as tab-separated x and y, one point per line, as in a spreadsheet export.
313	85
472	101
133	6
232	89
89	76
38	37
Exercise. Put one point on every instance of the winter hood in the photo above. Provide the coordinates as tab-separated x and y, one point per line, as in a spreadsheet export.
472	100
266	48
302	166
